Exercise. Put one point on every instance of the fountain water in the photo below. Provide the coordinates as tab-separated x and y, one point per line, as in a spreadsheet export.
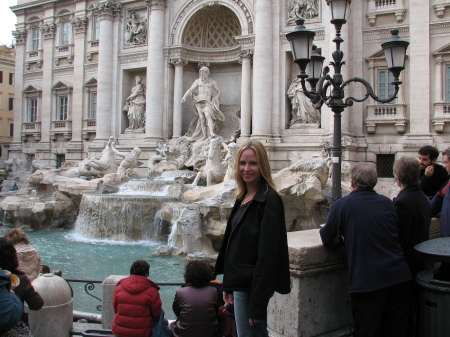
131	214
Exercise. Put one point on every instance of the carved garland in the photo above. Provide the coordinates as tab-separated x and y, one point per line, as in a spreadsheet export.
194	2
79	23
48	30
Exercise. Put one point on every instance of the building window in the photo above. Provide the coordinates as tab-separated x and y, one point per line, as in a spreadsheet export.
447	83
385	165
32	109
93	106
11	78
96	28
65	34
63	102
60	158
11	129
11	104
385	87
34	39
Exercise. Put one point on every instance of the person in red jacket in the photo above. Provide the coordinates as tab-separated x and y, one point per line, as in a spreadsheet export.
136	303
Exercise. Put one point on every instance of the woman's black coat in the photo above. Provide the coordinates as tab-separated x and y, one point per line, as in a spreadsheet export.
254	255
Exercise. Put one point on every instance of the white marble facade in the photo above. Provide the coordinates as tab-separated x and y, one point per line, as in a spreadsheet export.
77	61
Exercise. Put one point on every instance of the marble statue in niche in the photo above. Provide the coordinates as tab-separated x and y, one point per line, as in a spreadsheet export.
135	107
306	9
205	104
303	111
136	30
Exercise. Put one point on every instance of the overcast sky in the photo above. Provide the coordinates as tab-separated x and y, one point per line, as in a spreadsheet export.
7	21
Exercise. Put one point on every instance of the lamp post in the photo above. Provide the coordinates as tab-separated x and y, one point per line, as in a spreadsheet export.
329	90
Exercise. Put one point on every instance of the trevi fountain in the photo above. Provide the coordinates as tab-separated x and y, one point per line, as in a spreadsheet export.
181	196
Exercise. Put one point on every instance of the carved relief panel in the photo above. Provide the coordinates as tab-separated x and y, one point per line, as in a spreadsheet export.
136	26
306	9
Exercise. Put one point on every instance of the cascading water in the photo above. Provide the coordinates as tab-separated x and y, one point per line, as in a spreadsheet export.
154	210
131	214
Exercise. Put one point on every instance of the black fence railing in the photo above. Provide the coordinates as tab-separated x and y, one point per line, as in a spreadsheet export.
89	286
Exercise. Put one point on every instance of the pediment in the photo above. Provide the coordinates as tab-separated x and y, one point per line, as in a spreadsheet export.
377	55
443	50
34	19
92	82
31	89
61	85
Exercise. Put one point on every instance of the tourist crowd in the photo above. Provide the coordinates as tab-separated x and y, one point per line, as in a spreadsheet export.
379	235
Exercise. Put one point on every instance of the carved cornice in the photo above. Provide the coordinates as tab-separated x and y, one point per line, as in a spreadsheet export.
133	58
440	8
246	41
383	31
192	3
202	55
48	30
440	25
107	8
79	23
20	36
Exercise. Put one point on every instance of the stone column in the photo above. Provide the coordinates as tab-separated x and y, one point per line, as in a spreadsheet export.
263	76
178	63
246	93
155	72
47	114
439	72
106	11
19	105
419	66
76	112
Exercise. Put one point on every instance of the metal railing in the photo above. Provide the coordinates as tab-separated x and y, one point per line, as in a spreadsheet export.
89	286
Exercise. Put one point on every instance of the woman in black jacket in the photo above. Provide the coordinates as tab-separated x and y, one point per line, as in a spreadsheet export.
254	254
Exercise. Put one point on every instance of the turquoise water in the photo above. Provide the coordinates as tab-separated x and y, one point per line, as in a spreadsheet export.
91	259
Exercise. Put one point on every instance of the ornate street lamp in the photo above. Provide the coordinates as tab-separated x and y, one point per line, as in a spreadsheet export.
309	62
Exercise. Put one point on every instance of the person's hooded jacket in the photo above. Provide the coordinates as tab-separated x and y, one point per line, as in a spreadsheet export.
137	306
10	304
29	260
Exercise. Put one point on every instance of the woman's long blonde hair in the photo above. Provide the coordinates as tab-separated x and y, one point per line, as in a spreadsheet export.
263	163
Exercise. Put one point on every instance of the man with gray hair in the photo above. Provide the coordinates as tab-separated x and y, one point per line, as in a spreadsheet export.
379	279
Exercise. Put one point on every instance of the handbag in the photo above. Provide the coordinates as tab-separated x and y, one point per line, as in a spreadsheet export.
160	329
227	322
18	330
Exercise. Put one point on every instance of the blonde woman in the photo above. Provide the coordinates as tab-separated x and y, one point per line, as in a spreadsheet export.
254	255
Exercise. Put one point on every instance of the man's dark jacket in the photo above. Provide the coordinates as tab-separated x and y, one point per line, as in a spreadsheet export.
441	204
431	185
414	215
366	223
254	255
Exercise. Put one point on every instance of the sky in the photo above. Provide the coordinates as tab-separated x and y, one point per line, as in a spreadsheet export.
7	21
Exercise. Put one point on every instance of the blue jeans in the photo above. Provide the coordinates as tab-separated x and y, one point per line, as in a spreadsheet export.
241	306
